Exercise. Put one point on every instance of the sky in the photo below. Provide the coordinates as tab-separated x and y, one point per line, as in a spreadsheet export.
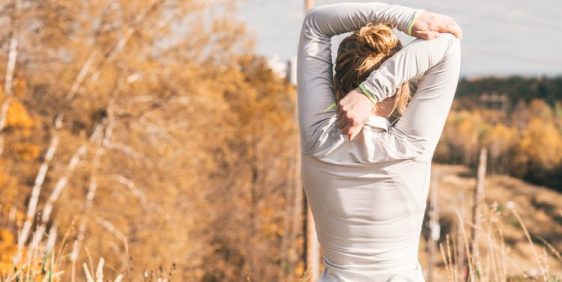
500	37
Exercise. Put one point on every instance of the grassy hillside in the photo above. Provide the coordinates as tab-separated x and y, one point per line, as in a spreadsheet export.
540	209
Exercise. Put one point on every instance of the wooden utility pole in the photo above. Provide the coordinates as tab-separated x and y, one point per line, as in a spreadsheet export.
308	4
313	248
312	245
477	202
461	269
301	211
434	227
10	70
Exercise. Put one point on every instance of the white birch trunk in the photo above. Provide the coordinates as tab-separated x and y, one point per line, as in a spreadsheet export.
9	78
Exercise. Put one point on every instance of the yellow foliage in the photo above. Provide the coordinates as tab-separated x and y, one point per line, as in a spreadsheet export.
272	229
499	138
8	191
541	144
7	250
540	109
20	87
26	151
19	117
464	132
516	147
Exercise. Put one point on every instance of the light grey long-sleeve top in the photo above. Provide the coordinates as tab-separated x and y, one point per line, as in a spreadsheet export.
368	196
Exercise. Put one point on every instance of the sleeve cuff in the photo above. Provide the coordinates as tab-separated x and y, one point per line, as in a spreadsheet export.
412	21
367	93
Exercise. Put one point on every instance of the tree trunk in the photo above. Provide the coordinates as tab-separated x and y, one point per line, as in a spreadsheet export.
477	201
313	248
434	227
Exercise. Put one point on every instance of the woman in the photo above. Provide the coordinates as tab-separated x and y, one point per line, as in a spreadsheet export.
367	180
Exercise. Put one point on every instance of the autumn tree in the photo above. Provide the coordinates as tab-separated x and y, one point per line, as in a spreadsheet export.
147	133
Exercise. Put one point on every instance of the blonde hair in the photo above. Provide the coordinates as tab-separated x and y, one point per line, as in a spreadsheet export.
362	52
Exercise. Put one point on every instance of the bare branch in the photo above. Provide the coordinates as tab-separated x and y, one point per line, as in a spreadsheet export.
131	186
111	228
9	78
60	186
125	149
36	191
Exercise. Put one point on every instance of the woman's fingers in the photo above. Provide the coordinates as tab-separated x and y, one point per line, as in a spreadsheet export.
344	118
342	122
428	25
354	131
346	122
450	25
353	111
427	34
349	127
456	30
346	130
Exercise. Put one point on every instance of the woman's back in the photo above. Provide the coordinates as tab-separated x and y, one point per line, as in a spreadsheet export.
368	195
368	215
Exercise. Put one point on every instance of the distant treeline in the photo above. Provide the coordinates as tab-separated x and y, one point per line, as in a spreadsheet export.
517	88
518	119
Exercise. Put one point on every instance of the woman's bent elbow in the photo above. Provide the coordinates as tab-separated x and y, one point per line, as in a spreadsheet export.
454	49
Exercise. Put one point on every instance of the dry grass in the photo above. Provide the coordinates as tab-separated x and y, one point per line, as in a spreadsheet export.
520	237
44	263
520	230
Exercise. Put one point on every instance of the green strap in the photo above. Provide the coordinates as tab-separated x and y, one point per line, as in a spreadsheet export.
363	91
411	25
367	93
331	106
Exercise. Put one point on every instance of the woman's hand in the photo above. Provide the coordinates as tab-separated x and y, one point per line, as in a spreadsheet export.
428	25
353	112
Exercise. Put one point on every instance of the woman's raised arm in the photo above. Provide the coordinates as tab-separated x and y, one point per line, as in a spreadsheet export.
314	69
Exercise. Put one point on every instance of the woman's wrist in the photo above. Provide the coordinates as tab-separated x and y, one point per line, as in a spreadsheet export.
412	21
361	89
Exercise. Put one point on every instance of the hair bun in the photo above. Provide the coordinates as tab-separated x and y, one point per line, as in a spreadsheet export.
378	37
